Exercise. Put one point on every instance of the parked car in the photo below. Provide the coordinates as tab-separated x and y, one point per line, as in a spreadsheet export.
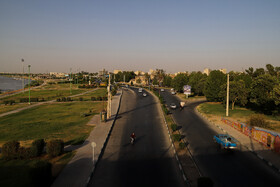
162	90
173	93
140	90
173	106
144	94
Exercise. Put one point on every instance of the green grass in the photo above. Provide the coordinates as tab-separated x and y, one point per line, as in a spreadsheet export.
219	110
101	92
7	108
48	92
59	120
239	112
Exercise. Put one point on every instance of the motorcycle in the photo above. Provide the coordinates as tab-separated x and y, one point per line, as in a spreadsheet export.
132	140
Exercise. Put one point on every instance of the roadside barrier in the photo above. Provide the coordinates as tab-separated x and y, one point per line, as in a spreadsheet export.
268	138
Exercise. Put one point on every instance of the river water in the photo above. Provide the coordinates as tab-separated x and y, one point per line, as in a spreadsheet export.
9	84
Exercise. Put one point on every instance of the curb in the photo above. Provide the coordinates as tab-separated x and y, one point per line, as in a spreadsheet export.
172	143
106	141
252	151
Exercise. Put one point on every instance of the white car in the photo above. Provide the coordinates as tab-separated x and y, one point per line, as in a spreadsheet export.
144	94
162	90
173	93
173	106
140	90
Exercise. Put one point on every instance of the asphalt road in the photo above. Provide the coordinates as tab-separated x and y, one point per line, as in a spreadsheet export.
237	168
150	161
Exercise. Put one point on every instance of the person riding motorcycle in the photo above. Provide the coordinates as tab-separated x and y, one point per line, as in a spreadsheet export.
132	137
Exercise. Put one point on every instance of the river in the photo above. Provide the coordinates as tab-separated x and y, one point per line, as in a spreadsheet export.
10	84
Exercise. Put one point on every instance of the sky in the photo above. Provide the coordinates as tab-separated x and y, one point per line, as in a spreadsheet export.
174	35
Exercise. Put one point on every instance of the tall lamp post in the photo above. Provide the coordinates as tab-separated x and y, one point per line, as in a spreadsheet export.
70	81
29	82
109	104
227	106
22	60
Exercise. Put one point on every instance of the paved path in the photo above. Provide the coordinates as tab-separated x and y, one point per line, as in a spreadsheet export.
40	103
264	153
79	170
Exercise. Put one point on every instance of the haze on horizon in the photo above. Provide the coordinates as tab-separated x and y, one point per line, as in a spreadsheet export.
139	35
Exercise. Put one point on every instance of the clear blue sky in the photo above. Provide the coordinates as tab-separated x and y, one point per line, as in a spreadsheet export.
174	35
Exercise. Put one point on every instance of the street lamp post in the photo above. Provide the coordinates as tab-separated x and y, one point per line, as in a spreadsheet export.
29	82
22	60
70	81
227	104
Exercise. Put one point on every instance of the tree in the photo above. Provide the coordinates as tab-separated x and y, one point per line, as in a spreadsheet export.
271	70
159	75
167	80
250	71
246	78
237	93
179	81
213	85
197	81
262	91
258	72
276	94
138	81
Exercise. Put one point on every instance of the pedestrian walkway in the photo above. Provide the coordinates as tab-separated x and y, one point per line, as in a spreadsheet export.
79	170
249	144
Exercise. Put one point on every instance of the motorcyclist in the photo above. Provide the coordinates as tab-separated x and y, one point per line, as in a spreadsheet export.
132	137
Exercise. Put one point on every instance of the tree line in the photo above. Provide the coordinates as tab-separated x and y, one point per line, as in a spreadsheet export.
258	88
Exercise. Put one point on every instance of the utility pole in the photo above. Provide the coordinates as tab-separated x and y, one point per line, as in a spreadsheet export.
22	60
109	104
227	95
29	82
70	81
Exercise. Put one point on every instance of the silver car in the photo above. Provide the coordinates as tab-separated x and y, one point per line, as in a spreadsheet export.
173	106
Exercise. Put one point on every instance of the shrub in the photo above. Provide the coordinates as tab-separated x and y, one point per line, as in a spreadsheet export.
165	110
58	100
176	137
93	98
258	120
10	150
26	153
63	99
24	100
55	147
34	99
99	98
182	145
173	127
9	102
69	99
38	147
81	99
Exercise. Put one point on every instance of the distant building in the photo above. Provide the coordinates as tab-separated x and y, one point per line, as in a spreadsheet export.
117	71
223	71
58	75
140	79
139	73
207	71
102	73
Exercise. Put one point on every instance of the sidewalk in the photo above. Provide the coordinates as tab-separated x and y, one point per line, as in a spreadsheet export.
79	170
249	144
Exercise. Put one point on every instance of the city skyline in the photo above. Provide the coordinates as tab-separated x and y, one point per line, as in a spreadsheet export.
189	36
